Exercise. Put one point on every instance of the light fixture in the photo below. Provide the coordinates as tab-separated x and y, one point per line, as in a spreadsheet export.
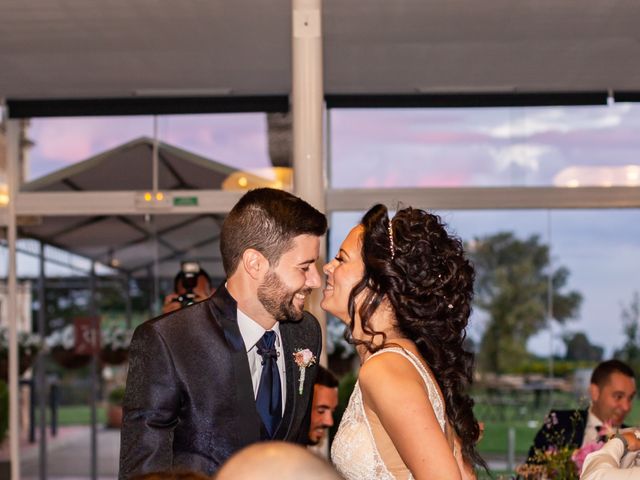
4	195
274	177
153	200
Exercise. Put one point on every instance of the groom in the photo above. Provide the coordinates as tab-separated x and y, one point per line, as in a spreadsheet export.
211	378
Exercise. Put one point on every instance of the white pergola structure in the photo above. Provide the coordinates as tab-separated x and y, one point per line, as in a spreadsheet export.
81	57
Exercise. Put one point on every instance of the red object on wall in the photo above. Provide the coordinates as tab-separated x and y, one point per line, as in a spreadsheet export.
87	333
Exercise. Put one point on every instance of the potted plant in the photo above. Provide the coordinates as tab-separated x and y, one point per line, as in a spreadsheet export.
61	344
115	341
114	407
28	346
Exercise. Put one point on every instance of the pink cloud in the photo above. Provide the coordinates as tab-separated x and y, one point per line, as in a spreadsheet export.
450	137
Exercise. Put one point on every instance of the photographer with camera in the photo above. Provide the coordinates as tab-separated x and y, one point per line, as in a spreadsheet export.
191	285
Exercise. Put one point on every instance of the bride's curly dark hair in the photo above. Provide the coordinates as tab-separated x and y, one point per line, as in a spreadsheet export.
429	283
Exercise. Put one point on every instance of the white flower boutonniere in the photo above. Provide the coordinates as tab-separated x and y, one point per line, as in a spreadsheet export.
303	358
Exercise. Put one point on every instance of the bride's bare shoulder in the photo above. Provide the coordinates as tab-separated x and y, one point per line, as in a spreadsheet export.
387	369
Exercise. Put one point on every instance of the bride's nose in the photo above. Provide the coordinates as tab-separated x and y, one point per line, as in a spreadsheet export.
327	269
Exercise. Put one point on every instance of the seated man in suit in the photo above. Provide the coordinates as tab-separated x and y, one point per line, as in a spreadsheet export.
612	390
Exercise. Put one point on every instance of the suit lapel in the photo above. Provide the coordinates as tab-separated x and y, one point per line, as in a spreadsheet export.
225	311
580	427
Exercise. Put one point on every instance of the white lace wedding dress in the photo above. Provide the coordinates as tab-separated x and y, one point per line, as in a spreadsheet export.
354	451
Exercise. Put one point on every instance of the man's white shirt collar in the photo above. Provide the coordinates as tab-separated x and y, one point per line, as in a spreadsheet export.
252	332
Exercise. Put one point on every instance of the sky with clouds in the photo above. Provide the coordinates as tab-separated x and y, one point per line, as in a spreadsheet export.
532	146
514	147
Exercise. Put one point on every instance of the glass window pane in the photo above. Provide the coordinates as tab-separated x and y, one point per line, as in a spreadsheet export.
115	153
599	249
485	147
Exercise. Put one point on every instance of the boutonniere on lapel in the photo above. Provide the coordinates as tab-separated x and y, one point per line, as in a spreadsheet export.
304	358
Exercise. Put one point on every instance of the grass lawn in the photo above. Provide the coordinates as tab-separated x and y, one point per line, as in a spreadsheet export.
495	439
77	415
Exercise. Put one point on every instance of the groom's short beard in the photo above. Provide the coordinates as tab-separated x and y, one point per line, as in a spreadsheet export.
277	300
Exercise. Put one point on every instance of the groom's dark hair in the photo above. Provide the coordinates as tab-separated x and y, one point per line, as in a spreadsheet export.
267	220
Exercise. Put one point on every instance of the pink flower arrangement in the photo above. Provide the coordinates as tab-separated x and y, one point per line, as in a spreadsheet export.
561	461
580	454
605	431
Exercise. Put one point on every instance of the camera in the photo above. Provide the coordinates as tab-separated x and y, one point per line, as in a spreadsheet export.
189	272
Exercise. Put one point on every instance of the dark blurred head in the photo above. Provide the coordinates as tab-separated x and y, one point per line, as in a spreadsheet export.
200	282
173	475
276	460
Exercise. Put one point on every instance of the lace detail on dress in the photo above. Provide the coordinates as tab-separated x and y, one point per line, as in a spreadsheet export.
354	452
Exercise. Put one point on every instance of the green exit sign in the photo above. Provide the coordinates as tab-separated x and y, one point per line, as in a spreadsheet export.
185	201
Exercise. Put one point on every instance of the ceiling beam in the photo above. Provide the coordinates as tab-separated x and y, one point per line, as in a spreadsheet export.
75	107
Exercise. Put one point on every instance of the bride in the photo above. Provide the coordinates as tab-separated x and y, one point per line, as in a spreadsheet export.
404	288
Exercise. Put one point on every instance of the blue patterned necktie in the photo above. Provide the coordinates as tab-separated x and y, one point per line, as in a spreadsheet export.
269	398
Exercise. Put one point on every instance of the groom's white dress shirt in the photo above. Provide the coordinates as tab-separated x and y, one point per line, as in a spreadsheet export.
252	332
591	428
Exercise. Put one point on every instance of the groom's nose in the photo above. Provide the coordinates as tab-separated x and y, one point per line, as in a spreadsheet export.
313	277
327	419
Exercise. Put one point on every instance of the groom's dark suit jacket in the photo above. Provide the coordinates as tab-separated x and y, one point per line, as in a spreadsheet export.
189	401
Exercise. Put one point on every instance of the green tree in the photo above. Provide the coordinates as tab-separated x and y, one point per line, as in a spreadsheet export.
579	348
511	287
630	351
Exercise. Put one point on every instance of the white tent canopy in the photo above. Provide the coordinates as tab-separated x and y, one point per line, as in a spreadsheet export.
128	242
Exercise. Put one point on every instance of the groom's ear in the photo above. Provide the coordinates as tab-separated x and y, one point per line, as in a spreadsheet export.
594	391
254	263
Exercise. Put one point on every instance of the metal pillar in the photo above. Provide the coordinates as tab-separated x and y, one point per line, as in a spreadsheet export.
95	360
307	101
41	378
12	138
307	106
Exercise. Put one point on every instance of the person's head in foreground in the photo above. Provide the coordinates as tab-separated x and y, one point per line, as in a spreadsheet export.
612	390
281	460
325	401
407	278
269	244
173	475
